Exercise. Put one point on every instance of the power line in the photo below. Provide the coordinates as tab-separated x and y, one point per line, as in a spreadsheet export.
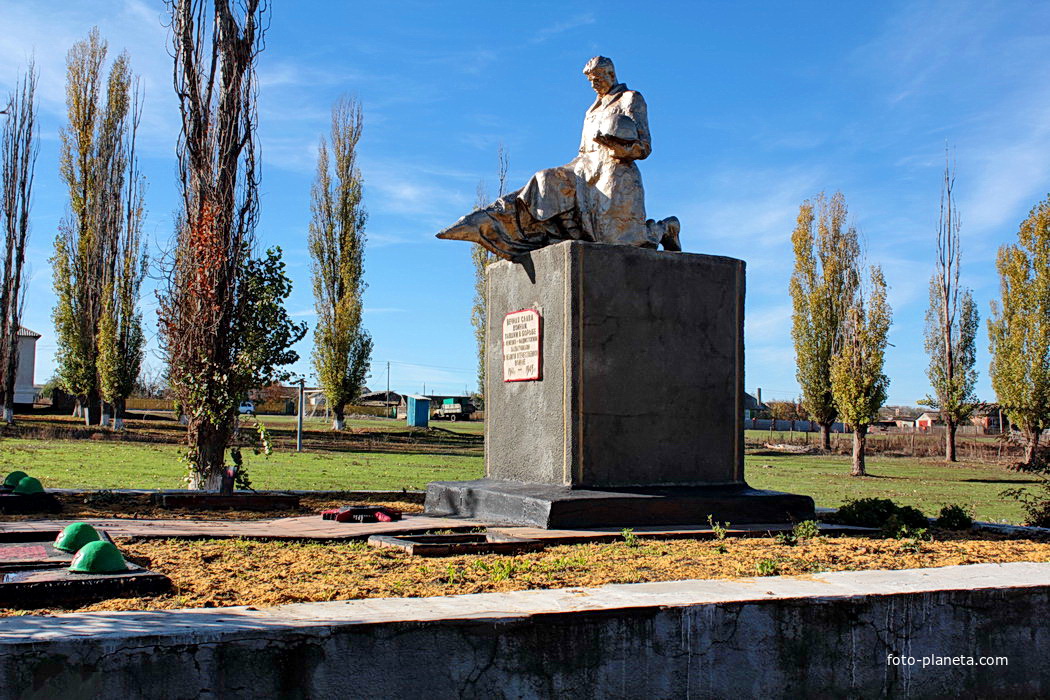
417	364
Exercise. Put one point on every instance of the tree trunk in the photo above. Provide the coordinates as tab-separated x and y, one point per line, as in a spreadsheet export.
1031	446
9	403
118	413
860	437
338	412
950	426
107	414
208	453
92	408
825	436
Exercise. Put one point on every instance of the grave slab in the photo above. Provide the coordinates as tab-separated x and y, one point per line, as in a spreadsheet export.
34	549
52	584
456	544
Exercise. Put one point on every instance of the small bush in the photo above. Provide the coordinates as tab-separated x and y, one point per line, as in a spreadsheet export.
1036	503
913	539
629	538
805	530
954	517
720	529
881	513
768	567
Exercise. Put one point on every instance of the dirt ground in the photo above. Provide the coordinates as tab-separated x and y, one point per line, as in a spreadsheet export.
237	572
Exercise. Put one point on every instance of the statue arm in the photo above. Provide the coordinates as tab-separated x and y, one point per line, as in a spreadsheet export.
627	134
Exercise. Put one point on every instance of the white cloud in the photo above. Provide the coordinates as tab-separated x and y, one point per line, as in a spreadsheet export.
563	26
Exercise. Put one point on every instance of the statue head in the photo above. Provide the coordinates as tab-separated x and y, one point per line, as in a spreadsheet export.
599	70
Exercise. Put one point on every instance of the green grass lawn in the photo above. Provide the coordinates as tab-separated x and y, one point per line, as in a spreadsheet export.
925	484
83	463
95	464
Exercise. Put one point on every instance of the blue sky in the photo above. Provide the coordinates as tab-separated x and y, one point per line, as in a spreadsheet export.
753	107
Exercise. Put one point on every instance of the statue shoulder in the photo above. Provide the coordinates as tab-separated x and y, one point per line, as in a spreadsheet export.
633	96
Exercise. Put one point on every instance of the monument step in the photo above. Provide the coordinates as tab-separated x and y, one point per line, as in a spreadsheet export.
503	502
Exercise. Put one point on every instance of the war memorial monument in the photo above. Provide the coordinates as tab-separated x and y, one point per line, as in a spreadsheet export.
614	370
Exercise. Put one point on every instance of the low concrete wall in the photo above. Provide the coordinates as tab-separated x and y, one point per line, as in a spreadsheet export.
823	636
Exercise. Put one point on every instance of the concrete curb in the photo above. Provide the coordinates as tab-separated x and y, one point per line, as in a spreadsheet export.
823	635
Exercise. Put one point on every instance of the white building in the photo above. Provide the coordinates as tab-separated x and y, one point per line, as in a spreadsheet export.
24	389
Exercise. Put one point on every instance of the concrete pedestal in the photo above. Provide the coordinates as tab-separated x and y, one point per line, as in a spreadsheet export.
636	412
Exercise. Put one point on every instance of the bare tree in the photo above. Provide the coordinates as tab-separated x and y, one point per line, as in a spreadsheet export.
223	325
481	257
951	325
18	151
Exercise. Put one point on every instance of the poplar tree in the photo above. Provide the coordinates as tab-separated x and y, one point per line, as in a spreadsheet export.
823	286
951	326
18	151
342	346
121	342
96	152
223	324
858	383
481	258
1019	330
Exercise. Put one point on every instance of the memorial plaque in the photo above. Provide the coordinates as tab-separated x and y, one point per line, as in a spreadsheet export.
522	356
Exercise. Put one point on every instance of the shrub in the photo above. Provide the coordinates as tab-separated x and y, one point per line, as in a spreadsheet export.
805	530
954	517
1036	503
768	567
881	513
913	538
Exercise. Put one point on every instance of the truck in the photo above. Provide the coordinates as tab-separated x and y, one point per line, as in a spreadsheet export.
455	408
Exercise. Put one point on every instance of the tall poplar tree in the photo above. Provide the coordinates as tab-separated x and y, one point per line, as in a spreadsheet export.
121	341
342	346
823	286
1019	330
951	326
93	164
18	151
858	383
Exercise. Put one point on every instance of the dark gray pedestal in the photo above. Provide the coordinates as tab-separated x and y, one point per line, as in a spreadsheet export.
638	408
560	507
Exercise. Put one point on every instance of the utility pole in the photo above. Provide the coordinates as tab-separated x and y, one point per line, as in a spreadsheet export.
299	417
388	387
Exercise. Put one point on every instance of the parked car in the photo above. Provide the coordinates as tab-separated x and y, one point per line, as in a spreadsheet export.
246	407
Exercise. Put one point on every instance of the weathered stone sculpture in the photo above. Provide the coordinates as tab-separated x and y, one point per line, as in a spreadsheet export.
597	197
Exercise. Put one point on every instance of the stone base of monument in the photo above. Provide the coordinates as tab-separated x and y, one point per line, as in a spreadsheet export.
614	394
557	507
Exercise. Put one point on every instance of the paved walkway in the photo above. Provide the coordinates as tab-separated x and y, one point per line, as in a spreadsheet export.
313	527
307	527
